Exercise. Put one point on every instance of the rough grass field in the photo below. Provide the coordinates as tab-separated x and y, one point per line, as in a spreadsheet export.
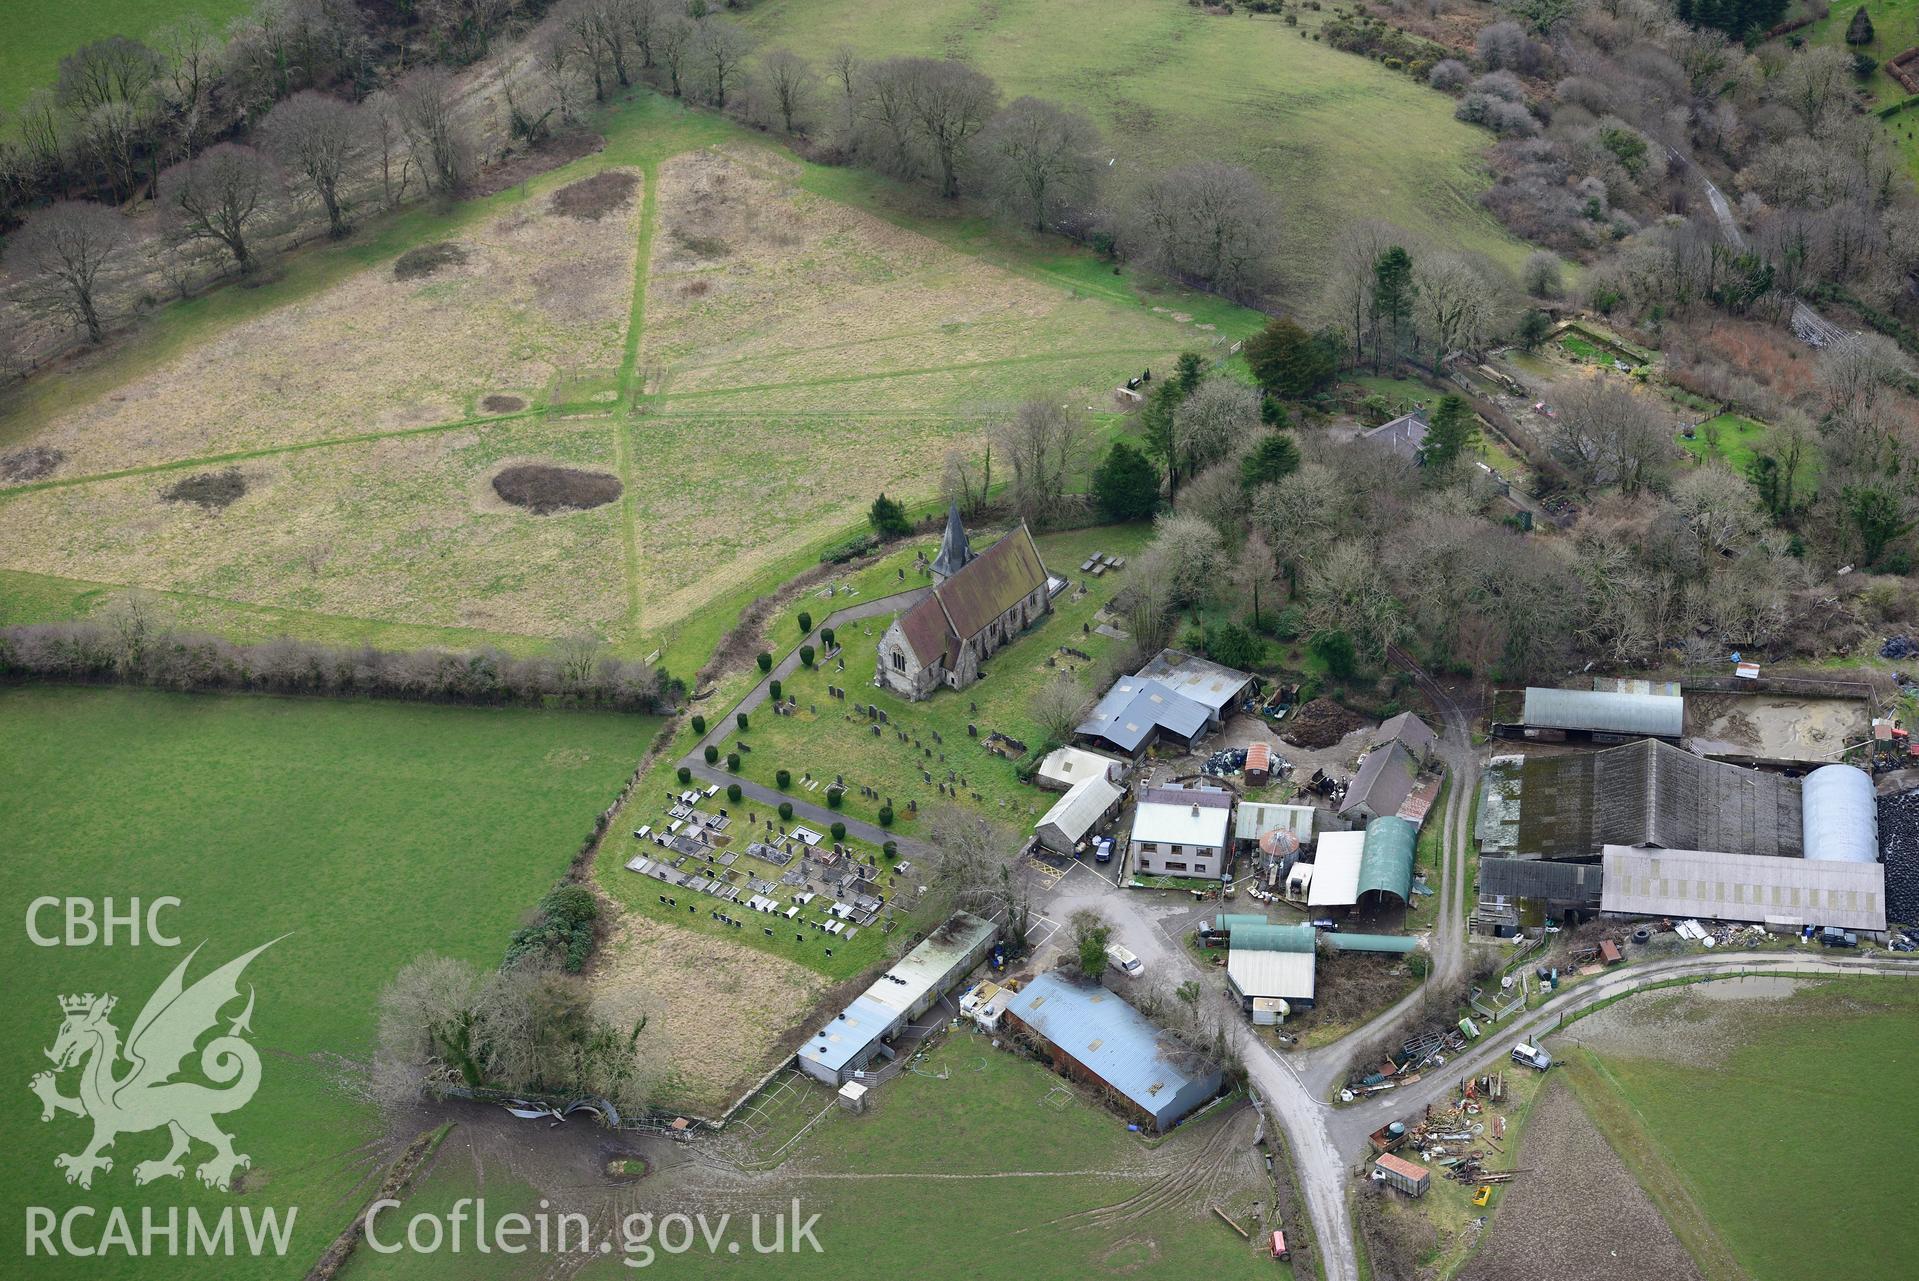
1337	135
371	832
716	343
1753	1094
403	527
41	32
536	294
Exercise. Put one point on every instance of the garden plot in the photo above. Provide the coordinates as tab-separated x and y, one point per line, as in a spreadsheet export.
718	500
779	298
407	528
680	980
508	306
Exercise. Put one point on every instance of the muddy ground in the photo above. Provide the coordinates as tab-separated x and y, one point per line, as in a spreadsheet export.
1577	1214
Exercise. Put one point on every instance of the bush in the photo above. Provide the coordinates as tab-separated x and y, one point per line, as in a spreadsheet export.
733	793
1448	74
1335	649
783	779
712	753
886	820
765	661
851	548
732	762
892	848
807	656
739	719
888	518
826	637
806	622
1233	645
562	928
786	811
839	830
699	724
684	774
835	797
1288	624
774	690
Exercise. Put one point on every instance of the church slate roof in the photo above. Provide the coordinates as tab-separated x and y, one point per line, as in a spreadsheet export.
961	607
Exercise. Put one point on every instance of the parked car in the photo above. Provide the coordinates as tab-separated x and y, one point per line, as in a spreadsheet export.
1834	937
1119	958
1103	850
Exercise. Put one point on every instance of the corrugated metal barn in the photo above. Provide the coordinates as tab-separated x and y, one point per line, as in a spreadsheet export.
1594	711
1094	1036
1783	892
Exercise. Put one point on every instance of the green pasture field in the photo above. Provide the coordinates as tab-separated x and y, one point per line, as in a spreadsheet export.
1333	132
1797	1111
41	32
833	740
959	1168
367	833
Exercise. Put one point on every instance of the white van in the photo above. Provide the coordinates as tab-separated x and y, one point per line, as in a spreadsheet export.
1124	961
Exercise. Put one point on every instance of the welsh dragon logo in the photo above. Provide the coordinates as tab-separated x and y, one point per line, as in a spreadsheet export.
145	1096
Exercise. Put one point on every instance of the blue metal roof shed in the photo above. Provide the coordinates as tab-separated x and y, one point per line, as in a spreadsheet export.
1114	1044
1605	712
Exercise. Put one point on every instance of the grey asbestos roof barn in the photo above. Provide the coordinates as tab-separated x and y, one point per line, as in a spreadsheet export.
1651	793
1135	710
1714	885
1604	712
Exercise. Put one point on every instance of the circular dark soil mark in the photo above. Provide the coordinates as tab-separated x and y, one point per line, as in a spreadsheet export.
503	404
415	264
32	463
212	490
591	199
543	490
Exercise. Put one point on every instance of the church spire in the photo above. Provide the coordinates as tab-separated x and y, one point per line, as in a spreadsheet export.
955	551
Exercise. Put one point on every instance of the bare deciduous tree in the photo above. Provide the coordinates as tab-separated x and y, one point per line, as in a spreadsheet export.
672	47
316	134
381	126
217	195
1040	441
1457	302
1207	222
789	81
1221	414
950	104
1609	435
1040	159
1059	706
65	246
437	137
720	49
107	89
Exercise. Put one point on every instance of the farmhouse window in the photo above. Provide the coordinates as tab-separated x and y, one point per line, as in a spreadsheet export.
899	661
1149	847
1176	867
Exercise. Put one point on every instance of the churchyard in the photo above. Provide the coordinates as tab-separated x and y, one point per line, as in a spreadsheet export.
908	755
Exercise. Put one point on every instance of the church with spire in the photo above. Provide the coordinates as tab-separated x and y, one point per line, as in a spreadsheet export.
979	602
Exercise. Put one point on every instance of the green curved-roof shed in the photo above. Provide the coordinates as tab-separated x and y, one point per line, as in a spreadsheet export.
1386	863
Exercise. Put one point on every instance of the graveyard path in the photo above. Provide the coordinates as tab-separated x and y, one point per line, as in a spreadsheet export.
720	728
